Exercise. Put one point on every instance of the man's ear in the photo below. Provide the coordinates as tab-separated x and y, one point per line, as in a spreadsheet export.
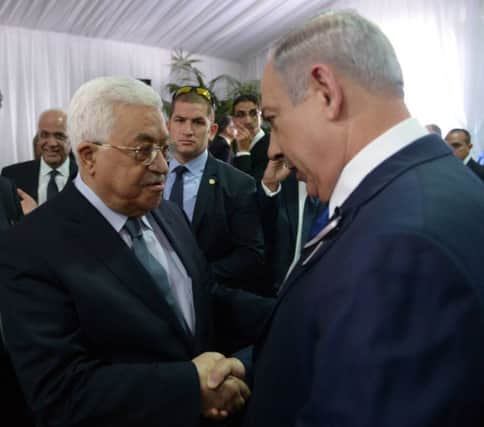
324	81
86	156
213	131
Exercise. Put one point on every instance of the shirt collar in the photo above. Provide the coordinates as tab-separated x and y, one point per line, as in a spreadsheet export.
375	153
466	160
63	169
258	136
195	166
116	219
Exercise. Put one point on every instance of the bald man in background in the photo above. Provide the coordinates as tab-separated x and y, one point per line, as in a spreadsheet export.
42	179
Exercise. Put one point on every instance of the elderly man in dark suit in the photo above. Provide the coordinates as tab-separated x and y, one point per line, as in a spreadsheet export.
43	178
381	323
219	200
110	314
460	142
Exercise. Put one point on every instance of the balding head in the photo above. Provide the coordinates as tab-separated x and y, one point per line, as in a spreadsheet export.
53	143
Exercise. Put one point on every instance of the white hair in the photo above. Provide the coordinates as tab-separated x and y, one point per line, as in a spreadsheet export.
91	112
354	46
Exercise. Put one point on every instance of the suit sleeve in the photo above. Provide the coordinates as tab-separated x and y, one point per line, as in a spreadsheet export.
403	340
65	383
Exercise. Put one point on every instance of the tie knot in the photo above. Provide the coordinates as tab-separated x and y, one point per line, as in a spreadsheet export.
180	170
133	227
54	172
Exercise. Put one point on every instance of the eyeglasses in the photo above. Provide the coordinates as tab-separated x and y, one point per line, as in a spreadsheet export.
195	89
253	113
144	153
58	136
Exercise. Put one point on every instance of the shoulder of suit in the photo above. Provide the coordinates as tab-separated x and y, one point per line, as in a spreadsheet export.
232	173
20	166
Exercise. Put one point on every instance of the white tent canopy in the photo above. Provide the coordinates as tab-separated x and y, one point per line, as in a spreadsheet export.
49	47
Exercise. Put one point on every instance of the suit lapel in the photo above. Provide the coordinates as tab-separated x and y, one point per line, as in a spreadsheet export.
206	192
109	249
423	150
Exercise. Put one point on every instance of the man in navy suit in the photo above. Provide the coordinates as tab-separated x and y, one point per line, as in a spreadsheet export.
460	142
34	176
381	323
110	314
219	200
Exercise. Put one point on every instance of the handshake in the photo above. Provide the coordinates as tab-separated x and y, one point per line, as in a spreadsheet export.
222	387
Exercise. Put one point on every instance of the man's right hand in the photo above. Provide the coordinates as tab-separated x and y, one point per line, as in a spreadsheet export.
276	172
27	202
243	139
222	388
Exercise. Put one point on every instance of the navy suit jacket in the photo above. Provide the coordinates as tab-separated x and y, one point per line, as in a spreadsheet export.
26	175
383	323
92	339
227	226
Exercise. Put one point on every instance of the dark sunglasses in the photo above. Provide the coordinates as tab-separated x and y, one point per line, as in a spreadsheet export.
196	89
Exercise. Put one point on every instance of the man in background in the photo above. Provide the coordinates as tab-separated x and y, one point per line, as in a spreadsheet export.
42	179
221	146
252	141
219	200
459	140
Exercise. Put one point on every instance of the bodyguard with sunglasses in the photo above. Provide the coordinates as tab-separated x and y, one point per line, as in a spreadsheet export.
218	199
109	311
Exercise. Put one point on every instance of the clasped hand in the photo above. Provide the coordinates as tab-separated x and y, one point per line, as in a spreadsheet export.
222	387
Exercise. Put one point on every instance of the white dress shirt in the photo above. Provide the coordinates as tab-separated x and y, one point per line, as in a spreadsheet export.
375	153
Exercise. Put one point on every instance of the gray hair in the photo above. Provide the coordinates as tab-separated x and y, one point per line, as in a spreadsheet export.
354	46
91	112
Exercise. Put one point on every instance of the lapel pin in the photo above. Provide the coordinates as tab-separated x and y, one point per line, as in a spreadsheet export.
211	181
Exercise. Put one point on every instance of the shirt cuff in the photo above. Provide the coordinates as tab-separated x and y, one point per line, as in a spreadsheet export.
270	193
242	153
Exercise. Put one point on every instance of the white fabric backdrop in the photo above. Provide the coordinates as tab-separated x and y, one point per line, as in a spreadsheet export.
439	45
41	70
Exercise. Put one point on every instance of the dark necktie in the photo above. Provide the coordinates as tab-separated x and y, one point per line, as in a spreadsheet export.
312	209
152	266
176	194
52	188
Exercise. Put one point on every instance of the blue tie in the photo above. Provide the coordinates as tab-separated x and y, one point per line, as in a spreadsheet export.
319	223
176	194
151	265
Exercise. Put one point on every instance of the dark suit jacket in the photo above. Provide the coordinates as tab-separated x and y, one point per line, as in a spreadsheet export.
12	401
476	168
279	221
255	163
26	175
92	338
227	225
10	209
384	323
220	149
